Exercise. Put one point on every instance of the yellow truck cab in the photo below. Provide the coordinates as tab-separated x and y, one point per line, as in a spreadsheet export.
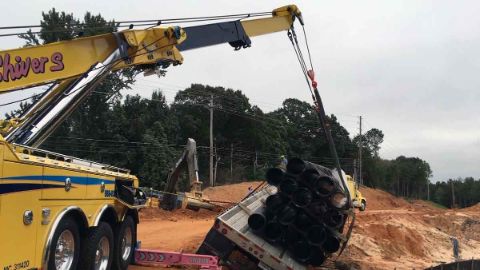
357	198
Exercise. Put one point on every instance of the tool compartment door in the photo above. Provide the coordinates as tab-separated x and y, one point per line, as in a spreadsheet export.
63	184
1	175
20	190
100	187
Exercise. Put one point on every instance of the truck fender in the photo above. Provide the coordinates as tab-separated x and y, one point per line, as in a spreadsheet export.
106	213
133	213
77	213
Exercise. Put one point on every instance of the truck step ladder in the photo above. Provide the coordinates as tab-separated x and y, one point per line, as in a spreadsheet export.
147	257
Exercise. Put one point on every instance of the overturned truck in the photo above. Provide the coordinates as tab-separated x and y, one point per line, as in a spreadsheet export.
295	221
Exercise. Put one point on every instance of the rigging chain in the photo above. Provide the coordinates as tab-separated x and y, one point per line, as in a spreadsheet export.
309	75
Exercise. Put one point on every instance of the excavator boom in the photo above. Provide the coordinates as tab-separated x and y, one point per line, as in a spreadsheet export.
194	198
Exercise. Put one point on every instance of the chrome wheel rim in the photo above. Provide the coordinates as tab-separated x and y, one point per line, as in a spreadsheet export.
126	244
102	254
64	250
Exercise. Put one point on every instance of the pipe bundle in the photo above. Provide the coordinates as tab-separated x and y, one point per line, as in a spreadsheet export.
306	216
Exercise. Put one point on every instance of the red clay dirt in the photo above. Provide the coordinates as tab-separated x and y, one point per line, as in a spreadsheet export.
392	233
398	234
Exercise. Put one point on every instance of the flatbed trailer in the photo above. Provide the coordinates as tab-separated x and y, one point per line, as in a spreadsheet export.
231	234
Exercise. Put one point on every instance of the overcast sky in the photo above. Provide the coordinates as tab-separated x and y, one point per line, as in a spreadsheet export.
410	68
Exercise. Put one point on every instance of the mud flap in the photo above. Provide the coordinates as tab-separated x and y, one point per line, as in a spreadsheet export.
130	197
216	244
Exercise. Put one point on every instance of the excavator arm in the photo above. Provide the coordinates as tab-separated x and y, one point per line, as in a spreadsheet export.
75	67
194	198
188	161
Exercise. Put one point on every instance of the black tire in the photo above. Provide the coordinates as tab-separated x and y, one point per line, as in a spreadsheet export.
120	260
67	224
363	205
91	244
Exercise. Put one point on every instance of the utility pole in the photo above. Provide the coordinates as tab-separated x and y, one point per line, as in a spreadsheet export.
231	162
428	190
217	159
255	165
211	141
360	153
355	173
453	194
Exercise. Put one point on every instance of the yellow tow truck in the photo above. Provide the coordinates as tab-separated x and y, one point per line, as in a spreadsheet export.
64	213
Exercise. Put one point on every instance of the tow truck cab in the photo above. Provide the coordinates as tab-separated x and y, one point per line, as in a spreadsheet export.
45	196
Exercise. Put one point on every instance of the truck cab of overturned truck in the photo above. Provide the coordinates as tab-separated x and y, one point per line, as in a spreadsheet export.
358	200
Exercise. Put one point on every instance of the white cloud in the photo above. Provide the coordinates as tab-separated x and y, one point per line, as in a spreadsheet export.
409	67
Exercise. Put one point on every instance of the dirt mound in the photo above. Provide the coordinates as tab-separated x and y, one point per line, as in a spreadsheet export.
474	208
401	234
380	200
179	214
230	193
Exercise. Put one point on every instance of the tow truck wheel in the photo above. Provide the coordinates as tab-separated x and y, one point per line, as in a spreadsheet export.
363	205
65	247
98	248
124	244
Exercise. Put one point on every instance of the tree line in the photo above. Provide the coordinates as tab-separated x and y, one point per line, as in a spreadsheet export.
146	135
456	193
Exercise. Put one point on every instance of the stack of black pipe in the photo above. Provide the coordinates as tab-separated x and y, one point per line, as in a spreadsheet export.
306	215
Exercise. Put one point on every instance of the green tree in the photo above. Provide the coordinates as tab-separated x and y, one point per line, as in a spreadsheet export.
90	119
157	156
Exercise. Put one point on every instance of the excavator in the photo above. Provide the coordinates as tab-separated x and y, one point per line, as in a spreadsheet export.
194	199
62	212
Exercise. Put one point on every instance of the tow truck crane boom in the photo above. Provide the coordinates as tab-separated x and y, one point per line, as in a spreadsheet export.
39	65
75	67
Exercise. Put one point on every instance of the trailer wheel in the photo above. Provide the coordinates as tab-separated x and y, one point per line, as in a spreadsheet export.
124	244
363	205
65	247
97	248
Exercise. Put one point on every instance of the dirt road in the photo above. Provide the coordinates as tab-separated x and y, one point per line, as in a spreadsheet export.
172	235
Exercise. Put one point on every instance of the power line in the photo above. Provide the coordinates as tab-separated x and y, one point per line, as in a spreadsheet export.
214	17
20	100
137	144
130	24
